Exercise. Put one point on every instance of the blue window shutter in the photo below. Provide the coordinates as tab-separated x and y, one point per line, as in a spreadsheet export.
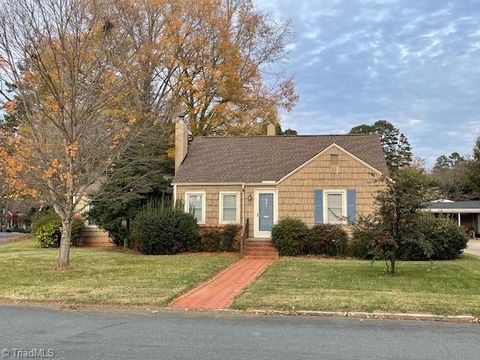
319	206
352	206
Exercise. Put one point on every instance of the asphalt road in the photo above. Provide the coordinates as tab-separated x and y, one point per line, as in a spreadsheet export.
92	335
5	235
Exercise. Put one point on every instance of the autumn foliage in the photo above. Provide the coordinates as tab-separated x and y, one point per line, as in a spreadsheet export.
87	78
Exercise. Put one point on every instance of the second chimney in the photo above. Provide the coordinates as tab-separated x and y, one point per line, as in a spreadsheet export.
271	129
181	143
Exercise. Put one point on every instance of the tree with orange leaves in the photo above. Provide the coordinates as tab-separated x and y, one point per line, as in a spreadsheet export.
219	53
79	109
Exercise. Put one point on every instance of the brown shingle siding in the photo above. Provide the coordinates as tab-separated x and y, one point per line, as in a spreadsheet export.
351	174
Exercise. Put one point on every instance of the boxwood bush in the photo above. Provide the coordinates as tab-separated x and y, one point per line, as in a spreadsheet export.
329	240
444	238
47	229
218	240
290	237
163	229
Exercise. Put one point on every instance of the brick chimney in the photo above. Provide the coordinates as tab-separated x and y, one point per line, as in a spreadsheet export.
271	129
181	142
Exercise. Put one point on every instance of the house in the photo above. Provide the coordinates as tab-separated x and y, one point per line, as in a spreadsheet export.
464	213
325	179
93	235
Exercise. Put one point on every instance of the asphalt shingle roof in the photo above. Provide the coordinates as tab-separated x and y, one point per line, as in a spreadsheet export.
455	205
255	159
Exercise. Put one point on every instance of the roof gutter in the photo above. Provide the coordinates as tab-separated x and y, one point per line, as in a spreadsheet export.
453	211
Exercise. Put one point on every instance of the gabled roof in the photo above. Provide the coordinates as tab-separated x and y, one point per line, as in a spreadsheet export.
253	159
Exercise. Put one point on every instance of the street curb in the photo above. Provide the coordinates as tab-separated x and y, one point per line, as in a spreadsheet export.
149	310
365	315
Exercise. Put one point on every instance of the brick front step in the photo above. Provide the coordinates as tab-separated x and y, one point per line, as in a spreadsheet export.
260	249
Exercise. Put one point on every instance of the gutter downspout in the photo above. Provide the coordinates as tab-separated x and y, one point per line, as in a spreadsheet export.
243	204
244	223
174	195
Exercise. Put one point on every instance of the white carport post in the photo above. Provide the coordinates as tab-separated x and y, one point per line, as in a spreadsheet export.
459	219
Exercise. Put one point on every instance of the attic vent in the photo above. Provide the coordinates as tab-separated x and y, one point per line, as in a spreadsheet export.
334	159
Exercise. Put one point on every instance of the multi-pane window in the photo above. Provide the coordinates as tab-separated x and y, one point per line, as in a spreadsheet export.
229	208
335	206
195	205
89	221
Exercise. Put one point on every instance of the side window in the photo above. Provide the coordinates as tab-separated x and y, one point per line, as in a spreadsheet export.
195	205
89	222
229	208
335	207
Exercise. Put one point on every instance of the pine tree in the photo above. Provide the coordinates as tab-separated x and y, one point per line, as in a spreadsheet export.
397	149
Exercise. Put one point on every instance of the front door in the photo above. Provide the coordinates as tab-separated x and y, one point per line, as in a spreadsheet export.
265	213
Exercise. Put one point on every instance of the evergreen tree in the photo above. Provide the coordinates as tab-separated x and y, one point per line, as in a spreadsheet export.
144	172
398	152
287	132
448	162
474	168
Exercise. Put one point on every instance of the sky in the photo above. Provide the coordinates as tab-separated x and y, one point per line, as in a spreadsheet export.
413	63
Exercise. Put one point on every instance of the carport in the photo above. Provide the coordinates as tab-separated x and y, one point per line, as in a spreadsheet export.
465	213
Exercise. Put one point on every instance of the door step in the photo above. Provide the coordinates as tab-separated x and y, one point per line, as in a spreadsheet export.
259	249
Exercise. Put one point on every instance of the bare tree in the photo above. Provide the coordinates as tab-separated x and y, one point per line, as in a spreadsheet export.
73	79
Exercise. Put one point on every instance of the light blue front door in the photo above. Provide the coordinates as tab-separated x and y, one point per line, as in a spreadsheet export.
265	212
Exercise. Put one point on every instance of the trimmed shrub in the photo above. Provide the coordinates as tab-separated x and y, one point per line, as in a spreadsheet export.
163	229
329	240
444	238
48	235
43	218
219	240
47	229
290	236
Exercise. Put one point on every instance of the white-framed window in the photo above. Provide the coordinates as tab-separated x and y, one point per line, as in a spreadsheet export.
229	208
89	222
335	207
195	204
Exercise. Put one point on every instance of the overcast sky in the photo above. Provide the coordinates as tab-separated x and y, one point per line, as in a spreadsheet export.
414	63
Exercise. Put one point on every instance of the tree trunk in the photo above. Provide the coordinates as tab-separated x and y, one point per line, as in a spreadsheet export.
392	265
125	240
63	261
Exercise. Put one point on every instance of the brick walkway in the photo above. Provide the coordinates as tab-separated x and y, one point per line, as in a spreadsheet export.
218	293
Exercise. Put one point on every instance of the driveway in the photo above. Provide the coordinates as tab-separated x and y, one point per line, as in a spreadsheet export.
473	247
4	236
181	335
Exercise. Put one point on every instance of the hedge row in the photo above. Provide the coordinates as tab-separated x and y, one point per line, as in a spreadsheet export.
292	237
435	239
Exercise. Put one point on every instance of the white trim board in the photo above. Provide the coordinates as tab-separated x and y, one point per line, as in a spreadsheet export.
256	192
453	211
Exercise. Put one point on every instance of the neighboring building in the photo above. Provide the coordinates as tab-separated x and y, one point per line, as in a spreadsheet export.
318	179
93	236
464	213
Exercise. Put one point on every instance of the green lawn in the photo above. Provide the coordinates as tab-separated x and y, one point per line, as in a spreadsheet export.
445	288
100	276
